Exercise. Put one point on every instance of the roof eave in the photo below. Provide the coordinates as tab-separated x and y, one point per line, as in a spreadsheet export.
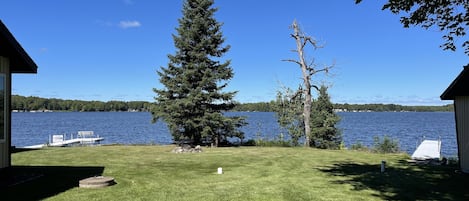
457	87
20	61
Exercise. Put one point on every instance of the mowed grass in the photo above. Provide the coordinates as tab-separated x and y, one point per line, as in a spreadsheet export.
249	173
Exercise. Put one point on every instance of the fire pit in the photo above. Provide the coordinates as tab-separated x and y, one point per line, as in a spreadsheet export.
97	182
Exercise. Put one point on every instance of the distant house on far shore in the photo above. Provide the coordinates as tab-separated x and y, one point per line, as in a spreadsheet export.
13	59
458	91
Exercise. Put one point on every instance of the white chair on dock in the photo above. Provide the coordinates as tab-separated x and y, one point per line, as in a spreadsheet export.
85	134
88	137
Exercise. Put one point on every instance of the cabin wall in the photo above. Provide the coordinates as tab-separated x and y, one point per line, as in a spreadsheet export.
461	104
5	115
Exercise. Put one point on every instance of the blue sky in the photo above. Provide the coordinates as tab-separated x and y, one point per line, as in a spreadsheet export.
111	49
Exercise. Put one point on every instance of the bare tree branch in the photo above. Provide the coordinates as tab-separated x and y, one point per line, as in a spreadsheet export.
298	93
305	42
312	64
326	69
292	60
316	87
315	44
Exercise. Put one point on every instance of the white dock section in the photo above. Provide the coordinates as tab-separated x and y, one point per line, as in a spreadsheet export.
76	141
428	149
83	137
38	146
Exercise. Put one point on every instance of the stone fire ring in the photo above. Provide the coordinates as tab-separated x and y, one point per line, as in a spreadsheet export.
96	182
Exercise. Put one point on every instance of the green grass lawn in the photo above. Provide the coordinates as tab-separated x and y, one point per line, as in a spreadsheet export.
250	173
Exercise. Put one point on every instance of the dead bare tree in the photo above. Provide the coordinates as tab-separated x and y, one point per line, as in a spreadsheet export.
308	70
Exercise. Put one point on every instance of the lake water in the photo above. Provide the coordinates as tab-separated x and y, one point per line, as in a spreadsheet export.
135	127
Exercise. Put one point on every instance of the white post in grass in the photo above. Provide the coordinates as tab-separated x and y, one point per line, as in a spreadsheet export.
383	166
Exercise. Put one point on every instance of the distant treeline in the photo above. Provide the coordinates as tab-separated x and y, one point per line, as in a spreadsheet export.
258	107
269	107
392	108
32	103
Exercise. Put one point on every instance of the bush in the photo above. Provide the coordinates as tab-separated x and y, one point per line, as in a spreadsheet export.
273	143
268	143
278	141
452	161
250	142
342	145
386	145
359	147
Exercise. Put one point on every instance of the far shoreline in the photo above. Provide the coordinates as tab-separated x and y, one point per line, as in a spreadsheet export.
335	110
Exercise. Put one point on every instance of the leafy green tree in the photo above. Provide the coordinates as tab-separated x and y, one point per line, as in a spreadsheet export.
193	99
289	111
449	16
324	133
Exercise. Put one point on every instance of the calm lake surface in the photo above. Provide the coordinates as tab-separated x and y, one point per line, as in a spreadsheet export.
135	127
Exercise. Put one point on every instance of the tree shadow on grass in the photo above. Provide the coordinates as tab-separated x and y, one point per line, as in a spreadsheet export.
40	182
404	181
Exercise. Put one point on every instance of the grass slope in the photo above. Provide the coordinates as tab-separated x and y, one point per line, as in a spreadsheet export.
250	173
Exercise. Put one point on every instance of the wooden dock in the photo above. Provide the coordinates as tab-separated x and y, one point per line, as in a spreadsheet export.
428	149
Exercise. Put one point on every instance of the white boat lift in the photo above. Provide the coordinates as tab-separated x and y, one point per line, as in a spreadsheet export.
82	138
428	150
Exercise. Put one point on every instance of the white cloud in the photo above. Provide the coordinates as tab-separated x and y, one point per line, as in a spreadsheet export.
129	24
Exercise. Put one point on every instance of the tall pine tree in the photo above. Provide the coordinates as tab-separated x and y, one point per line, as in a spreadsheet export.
324	134
193	99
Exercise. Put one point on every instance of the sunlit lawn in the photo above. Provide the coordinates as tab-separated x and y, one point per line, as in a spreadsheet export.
250	173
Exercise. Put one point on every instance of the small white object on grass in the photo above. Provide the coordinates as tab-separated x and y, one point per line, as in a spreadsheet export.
383	166
220	170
